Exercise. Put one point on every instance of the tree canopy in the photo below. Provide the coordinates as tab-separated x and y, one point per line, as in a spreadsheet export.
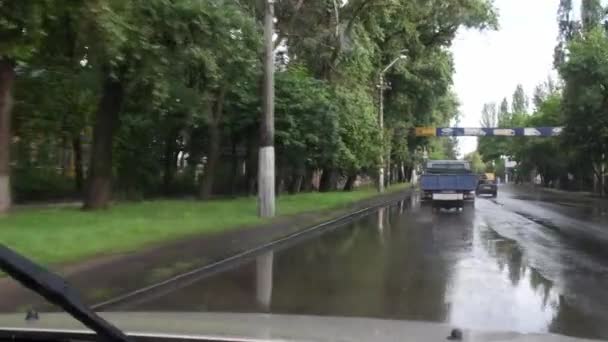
142	98
578	102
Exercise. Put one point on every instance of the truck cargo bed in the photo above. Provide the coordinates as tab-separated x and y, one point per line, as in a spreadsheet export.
448	182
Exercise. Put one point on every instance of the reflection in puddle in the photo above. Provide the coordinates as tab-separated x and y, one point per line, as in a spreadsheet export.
264	266
381	220
493	288
403	262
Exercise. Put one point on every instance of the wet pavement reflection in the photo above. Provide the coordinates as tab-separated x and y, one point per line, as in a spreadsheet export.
483	268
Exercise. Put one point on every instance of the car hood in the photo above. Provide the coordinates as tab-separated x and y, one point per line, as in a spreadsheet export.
266	327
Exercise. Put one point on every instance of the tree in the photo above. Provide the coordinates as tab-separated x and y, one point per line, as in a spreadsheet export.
585	74
134	49
492	148
477	164
592	13
113	27
233	59
568	29
545	156
350	43
543	91
504	108
539	96
21	31
519	104
359	142
159	97
489	117
307	130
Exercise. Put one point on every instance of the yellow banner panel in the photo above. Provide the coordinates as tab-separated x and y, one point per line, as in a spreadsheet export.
426	131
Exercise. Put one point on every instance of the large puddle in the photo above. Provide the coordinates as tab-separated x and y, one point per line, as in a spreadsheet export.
402	262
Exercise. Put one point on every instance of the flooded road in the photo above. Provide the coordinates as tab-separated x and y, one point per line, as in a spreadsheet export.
524	262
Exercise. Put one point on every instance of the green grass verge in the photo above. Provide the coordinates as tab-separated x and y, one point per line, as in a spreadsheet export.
58	235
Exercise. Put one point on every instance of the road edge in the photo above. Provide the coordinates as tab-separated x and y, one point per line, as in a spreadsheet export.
333	218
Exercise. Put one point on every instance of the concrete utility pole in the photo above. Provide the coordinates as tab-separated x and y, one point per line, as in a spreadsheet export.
266	172
381	126
381	87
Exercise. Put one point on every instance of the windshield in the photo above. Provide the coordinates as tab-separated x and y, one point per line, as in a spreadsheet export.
448	167
436	161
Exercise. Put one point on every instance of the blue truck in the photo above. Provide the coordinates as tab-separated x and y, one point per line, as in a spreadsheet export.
448	183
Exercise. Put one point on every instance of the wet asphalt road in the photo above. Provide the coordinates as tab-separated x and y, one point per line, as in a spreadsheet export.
527	262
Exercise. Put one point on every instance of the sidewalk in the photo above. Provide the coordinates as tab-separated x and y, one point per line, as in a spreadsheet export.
583	195
106	277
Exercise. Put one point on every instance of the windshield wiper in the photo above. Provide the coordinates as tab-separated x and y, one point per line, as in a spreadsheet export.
55	289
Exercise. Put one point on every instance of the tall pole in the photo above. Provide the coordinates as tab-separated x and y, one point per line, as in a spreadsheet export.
381	121
381	126
266	195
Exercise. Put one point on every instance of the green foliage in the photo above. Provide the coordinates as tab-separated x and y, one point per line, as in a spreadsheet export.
592	14
551	158
576	158
519	105
306	120
586	75
21	27
359	145
38	184
489	117
477	165
443	148
191	67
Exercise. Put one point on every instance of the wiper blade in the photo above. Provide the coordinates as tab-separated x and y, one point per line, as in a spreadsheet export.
55	289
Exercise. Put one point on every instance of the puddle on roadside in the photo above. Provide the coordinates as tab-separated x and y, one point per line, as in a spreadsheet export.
402	262
495	287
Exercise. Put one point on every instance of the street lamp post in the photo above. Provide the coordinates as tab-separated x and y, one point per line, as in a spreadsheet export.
381	120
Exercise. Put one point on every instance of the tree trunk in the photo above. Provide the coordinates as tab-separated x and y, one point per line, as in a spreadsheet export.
309	175
236	179
7	81
66	162
350	182
602	174
213	153
296	183
212	159
78	172
251	168
408	173
297	179
283	179
280	174
170	163
601	185
99	191
400	173
327	180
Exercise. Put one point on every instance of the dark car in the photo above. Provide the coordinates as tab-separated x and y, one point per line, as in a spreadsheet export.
486	187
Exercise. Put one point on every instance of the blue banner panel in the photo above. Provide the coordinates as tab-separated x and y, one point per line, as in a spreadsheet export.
450	132
498	131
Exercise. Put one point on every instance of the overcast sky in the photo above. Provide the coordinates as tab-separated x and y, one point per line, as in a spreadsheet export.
489	65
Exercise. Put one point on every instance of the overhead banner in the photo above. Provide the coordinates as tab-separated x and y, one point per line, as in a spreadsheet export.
489	132
425	131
